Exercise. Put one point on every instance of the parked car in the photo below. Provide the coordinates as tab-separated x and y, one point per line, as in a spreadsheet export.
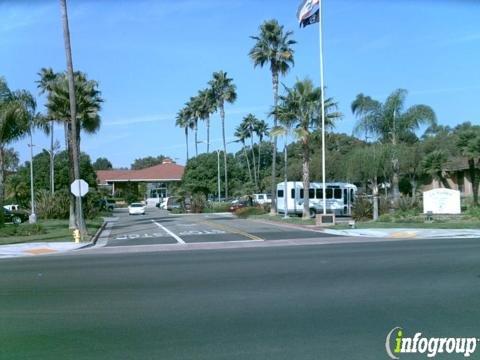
173	203
12	207
237	204
136	209
262	199
16	217
107	204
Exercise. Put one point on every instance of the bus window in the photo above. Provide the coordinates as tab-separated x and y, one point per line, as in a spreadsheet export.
329	193
319	193
352	198
311	193
292	194
280	193
301	193
345	193
337	193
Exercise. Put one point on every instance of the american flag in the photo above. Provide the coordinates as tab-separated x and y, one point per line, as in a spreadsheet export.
308	12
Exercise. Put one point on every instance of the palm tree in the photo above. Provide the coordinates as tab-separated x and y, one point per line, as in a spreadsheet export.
241	134
261	129
223	91
14	124
192	108
207	107
274	47
87	108
433	164
391	124
249	123
469	145
45	84
183	120
300	107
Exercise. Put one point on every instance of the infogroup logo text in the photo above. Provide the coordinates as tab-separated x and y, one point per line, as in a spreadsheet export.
397	344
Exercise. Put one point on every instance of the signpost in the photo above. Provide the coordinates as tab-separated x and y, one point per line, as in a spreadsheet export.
441	201
79	188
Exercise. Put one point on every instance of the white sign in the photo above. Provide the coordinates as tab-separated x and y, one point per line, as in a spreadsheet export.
441	201
79	187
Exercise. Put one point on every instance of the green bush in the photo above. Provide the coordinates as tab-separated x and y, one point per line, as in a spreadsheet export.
213	207
362	209
473	212
408	204
56	206
199	201
245	212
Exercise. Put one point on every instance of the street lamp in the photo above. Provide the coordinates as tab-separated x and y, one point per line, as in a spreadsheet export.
32	219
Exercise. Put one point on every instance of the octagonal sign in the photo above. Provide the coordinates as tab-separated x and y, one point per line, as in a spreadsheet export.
79	187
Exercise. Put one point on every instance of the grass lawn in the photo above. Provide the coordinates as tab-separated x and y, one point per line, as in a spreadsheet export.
52	231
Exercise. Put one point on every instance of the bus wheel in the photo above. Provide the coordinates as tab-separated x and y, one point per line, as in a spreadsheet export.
313	213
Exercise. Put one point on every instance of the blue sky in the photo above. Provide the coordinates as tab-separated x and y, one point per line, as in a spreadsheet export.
151	56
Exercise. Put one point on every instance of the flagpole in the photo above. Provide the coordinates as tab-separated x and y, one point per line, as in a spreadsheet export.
322	105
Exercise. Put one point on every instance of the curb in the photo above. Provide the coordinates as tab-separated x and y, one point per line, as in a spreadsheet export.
95	237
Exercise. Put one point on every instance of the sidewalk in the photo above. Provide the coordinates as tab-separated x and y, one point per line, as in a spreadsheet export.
392	233
400	233
33	249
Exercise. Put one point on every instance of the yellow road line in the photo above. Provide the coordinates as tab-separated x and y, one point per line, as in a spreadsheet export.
232	230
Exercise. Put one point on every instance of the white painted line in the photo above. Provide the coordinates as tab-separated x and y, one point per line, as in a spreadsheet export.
179	239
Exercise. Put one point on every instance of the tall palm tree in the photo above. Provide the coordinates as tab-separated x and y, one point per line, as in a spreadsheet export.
75	156
223	91
193	110
262	130
183	120
241	134
300	106
14	124
45	84
391	123
273	46
207	107
249	123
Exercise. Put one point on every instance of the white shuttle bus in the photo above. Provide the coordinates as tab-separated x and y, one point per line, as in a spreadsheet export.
339	198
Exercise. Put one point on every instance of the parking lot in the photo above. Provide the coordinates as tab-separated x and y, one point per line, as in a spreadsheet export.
160	227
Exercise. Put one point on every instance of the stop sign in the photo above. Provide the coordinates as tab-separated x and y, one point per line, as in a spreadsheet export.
79	187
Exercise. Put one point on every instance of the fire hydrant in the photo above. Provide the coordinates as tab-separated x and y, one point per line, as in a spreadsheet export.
76	235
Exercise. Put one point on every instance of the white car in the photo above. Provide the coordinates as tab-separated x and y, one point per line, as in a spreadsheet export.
136	209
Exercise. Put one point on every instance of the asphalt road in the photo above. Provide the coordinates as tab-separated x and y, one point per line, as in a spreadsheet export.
298	302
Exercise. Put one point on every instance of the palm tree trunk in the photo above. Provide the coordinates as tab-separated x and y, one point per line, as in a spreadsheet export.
222	116
208	134
52	169
259	154
473	178
196	138
306	180
248	163
186	141
273	208
66	130
255	176
73	115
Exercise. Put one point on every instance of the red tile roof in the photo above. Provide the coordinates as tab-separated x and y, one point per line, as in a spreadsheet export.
162	172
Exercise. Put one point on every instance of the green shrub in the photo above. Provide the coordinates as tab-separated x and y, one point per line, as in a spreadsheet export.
362	209
199	201
245	212
473	212
385	218
213	207
408	204
56	206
